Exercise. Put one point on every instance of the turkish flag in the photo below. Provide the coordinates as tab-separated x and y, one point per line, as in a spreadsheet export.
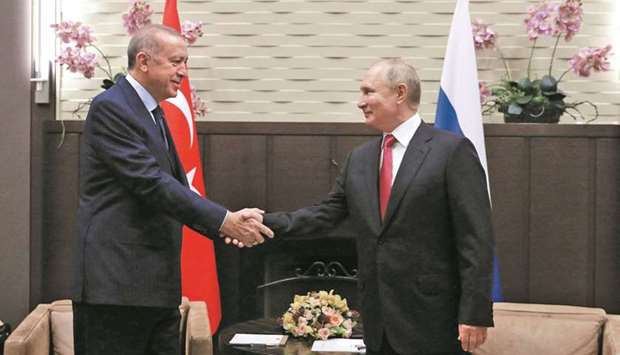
198	268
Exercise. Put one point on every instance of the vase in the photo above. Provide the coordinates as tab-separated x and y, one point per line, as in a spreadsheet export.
552	117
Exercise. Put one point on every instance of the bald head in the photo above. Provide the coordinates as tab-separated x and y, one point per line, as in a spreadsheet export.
149	40
396	72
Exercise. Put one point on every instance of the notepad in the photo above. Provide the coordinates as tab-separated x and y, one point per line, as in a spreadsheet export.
259	339
340	345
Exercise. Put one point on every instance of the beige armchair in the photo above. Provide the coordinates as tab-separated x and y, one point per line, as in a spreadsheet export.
611	336
526	329
48	329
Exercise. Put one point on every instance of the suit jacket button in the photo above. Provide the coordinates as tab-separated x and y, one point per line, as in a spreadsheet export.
380	242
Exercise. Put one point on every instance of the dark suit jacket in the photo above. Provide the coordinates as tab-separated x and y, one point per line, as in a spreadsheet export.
134	200
428	267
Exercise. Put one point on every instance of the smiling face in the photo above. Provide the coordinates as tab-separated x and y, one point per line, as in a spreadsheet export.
164	68
378	101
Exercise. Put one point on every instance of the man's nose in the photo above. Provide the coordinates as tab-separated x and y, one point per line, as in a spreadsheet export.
361	103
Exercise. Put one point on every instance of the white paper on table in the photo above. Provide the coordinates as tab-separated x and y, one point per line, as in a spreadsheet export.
262	339
340	345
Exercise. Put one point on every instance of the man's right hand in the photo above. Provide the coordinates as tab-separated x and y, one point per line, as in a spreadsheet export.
245	227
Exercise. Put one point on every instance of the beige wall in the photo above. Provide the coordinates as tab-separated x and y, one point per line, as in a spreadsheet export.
300	60
15	161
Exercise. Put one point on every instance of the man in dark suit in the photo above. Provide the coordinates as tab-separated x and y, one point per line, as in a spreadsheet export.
134	199
417	197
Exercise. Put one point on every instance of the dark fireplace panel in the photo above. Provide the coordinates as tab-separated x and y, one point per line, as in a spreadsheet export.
299	265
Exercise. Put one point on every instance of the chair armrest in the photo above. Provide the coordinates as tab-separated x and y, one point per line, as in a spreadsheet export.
611	335
198	339
32	336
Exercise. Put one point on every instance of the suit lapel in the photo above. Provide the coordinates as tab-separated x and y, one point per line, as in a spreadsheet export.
173	156
145	118
412	161
372	181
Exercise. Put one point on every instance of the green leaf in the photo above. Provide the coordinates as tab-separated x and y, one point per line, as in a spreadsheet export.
526	85
524	100
515	109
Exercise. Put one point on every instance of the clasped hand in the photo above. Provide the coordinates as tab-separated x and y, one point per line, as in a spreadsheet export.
245	228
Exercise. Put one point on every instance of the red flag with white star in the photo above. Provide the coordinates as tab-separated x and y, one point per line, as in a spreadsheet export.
198	268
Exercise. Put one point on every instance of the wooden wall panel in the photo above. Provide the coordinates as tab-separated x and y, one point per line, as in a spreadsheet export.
559	221
607	225
60	203
298	172
236	170
509	171
556	203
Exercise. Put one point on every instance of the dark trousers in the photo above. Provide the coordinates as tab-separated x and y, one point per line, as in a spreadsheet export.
386	349
125	330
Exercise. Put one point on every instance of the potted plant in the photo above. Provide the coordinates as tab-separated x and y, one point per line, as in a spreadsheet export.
540	99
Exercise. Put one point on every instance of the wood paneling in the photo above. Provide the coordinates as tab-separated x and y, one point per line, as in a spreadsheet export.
607	225
559	221
509	170
554	188
299	171
60	203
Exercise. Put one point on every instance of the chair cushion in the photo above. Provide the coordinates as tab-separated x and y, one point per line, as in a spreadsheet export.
611	335
525	329
61	315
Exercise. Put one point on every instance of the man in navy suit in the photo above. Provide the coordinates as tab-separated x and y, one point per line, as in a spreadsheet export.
134	200
418	201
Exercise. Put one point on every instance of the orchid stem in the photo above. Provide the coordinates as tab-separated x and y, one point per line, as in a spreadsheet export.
561	76
108	72
555	47
505	62
529	63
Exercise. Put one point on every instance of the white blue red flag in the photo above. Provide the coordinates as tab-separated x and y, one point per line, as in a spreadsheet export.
458	105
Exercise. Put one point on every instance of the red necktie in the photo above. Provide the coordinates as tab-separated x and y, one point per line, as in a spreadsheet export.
385	176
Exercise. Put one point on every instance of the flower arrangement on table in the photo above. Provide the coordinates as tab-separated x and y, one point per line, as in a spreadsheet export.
78	40
539	99
319	315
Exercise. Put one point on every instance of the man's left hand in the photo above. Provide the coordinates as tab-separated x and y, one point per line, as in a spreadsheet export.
471	336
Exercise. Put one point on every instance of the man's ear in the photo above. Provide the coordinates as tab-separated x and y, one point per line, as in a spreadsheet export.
141	61
402	92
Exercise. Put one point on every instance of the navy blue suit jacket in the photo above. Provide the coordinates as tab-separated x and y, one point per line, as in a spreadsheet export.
134	199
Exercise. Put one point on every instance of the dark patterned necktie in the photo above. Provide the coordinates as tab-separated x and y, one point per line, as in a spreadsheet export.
158	114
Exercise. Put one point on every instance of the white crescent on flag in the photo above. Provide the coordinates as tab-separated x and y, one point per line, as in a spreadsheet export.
180	101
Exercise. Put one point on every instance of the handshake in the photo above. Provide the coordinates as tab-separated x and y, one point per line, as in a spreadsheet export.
244	228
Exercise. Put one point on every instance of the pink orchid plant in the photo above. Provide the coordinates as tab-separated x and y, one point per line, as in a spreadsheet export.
540	100
77	38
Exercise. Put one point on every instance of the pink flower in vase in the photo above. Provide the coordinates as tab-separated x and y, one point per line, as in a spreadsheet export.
590	58
86	63
65	30
485	92
484	36
324	333
191	31
569	18
138	16
200	109
78	60
538	21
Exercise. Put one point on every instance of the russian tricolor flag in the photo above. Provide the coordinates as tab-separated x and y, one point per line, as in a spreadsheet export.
458	105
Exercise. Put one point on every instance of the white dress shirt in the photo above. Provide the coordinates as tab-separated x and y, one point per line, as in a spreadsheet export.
403	134
147	99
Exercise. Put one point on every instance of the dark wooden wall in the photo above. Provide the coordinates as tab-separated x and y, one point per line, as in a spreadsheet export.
555	192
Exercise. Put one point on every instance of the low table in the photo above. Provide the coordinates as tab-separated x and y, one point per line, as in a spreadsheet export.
293	346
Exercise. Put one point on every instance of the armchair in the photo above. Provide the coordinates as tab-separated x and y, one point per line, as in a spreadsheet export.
48	329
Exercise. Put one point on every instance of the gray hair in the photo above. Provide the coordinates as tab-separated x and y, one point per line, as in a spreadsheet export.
398	72
146	40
